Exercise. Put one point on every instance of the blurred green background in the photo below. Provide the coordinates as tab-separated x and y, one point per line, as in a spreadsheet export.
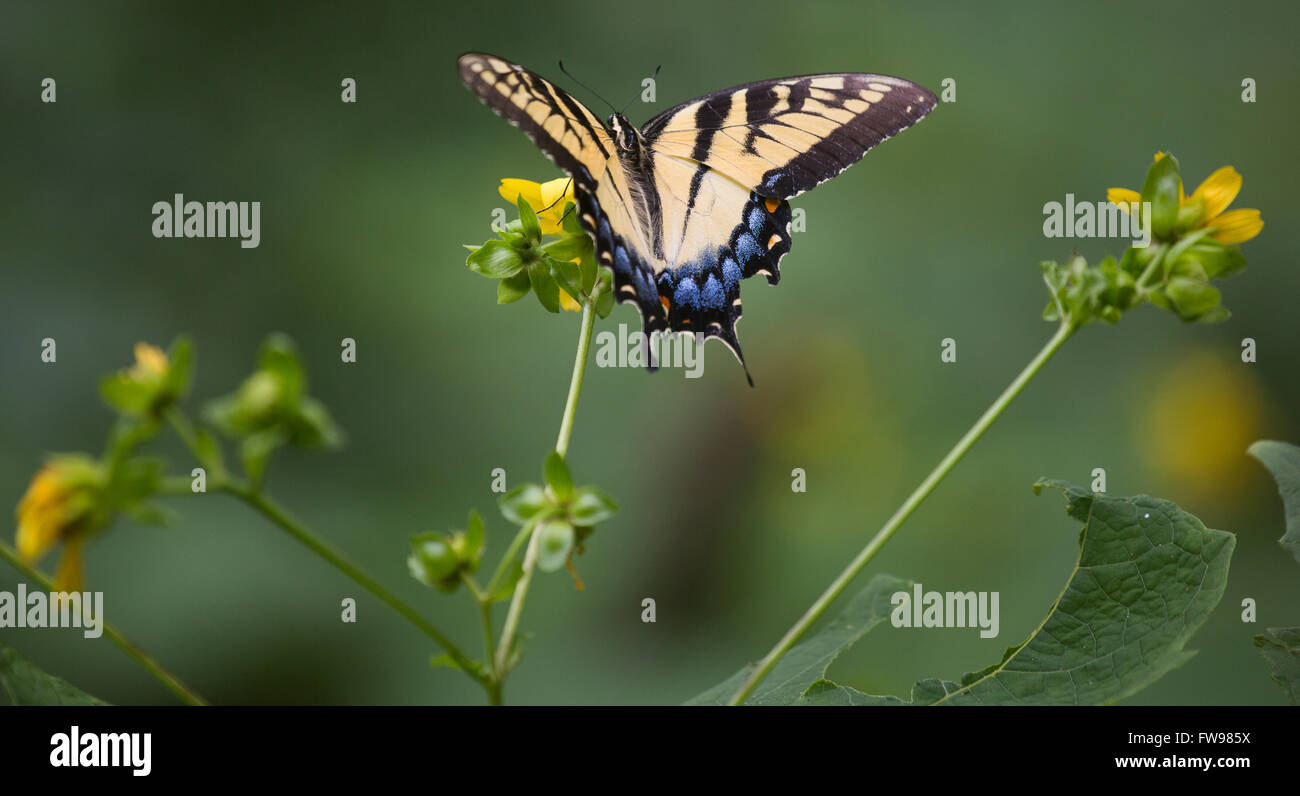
364	208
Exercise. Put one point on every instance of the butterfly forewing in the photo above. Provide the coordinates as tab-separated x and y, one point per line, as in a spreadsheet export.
562	127
783	137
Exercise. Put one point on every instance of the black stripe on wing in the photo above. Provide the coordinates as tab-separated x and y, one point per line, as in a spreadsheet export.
767	146
581	145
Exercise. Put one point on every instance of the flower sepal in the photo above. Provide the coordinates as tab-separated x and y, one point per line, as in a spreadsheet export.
440	560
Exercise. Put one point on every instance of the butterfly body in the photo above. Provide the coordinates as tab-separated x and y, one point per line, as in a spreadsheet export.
686	207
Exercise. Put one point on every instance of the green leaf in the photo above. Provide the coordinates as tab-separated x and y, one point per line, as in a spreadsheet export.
513	288
557	477
548	293
521	503
805	666
568	278
279	357
570	248
589	273
1217	315
1193	298
605	302
474	535
125	394
1148	576
24	684
180	359
495	259
1161	190
1218	261
590	507
1280	648
532	229
507	587
208	451
553	545
255	452
1283	460
478	670
569	220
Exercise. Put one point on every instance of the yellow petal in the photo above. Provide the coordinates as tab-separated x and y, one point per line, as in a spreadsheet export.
1237	226
567	302
554	194
1122	196
1218	190
71	575
35	536
44	490
150	361
512	188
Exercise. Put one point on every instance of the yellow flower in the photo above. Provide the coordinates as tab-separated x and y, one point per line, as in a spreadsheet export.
548	199
61	504
150	363
1215	194
567	302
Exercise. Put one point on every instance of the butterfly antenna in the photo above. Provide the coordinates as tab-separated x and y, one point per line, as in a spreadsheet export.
584	85
638	93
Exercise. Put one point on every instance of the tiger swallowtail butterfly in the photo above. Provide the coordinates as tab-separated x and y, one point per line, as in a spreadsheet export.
695	201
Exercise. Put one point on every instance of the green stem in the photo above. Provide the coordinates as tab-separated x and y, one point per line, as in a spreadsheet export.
532	530
579	370
503	568
295	529
517	605
904	511
183	692
493	683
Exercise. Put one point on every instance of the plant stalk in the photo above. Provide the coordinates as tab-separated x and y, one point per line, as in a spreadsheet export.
172	683
904	511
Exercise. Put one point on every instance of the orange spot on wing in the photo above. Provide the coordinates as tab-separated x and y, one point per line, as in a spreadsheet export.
664	301
772	205
772	241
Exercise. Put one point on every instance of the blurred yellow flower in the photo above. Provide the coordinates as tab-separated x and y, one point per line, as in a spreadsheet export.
567	302
62	504
1200	415
548	199
150	363
1215	194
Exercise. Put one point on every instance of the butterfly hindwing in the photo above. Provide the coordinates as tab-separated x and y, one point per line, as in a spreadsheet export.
783	137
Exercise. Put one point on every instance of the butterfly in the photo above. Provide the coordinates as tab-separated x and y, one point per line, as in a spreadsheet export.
695	201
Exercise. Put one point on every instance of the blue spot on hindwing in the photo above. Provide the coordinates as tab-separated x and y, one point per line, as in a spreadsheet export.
713	296
687	295
731	273
747	249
